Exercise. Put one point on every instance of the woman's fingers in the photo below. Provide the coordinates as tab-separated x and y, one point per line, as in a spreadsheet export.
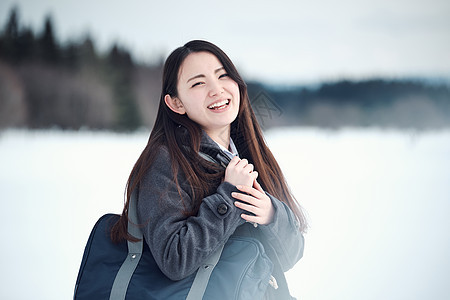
245	198
242	163
245	166
258	186
255	201
248	168
240	172
252	219
234	161
247	207
251	191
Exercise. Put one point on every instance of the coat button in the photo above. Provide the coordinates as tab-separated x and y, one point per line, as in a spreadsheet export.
222	209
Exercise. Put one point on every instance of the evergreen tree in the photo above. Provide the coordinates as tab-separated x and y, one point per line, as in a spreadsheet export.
16	44
70	55
12	27
10	37
47	42
121	64
87	53
26	45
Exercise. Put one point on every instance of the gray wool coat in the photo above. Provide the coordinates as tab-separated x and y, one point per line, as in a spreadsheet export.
180	244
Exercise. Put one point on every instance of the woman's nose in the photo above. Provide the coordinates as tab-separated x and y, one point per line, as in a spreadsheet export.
215	88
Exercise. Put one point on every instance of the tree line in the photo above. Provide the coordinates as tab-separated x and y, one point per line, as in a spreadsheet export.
45	83
415	104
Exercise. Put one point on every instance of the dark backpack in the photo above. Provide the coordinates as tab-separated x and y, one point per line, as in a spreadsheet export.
243	271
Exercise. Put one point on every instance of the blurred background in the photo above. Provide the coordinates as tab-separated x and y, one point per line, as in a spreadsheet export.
353	96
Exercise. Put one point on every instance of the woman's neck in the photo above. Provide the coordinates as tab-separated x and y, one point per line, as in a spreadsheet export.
221	136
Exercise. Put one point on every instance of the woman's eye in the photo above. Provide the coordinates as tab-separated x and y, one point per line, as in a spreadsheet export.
197	83
223	75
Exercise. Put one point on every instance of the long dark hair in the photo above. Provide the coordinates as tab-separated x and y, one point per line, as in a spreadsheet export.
245	132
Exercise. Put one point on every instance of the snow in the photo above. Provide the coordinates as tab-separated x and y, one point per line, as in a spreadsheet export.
377	201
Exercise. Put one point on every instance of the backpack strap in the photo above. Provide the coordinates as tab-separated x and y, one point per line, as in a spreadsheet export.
200	283
123	276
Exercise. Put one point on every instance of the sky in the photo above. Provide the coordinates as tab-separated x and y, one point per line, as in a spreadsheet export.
278	42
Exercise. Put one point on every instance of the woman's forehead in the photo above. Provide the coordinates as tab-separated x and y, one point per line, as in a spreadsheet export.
198	63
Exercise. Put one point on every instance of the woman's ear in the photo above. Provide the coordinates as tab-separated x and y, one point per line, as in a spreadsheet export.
174	104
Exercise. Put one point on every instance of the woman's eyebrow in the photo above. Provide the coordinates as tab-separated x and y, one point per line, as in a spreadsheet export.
201	75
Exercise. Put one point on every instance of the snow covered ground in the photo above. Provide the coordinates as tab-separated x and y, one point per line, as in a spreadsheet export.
377	200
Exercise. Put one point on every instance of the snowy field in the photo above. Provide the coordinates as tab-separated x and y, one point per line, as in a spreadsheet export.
378	202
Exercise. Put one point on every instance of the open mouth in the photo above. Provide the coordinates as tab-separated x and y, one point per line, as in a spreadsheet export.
219	105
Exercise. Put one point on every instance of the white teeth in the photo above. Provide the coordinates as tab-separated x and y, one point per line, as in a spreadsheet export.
218	104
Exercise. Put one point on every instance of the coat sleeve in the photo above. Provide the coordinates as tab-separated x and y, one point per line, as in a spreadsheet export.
180	243
283	235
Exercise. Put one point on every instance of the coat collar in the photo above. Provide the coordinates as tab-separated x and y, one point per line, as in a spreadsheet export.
207	141
209	147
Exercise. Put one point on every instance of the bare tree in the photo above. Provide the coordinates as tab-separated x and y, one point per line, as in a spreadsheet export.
13	110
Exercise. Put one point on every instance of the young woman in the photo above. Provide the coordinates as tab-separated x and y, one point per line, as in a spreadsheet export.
189	204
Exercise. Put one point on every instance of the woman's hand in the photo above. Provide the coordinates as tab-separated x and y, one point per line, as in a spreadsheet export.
240	172
256	202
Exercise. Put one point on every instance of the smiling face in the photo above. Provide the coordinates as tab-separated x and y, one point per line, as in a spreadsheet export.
206	94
